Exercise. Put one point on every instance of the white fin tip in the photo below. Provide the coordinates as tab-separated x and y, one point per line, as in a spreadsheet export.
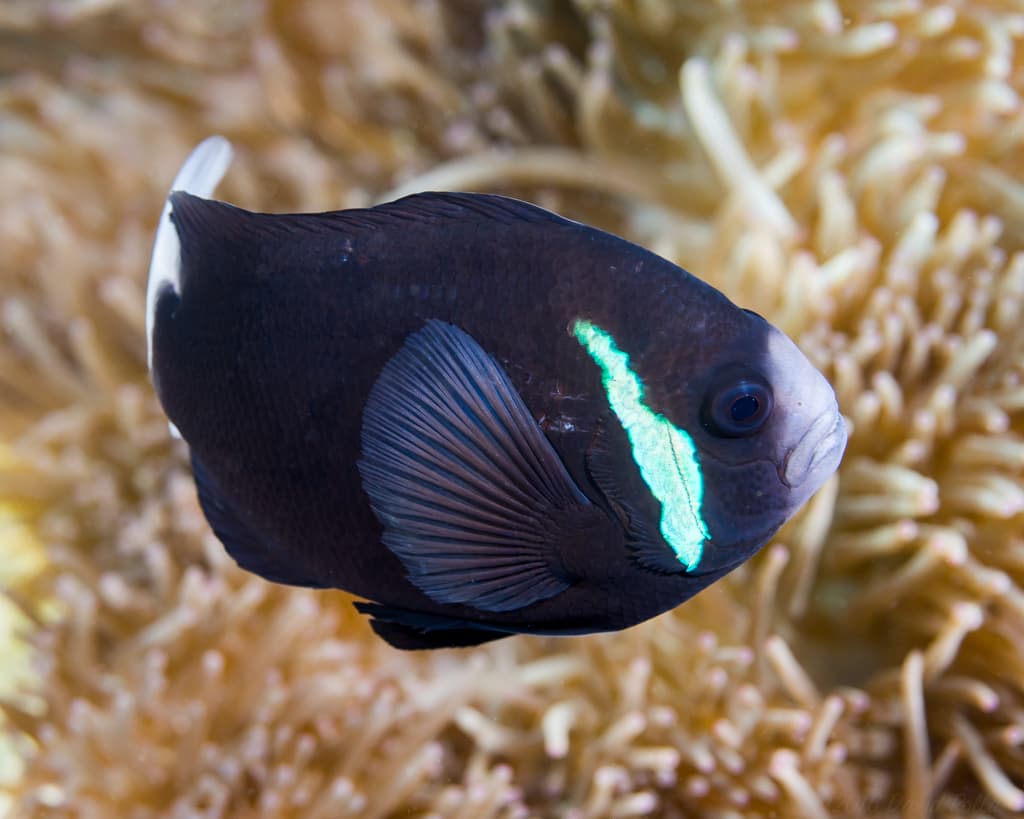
199	175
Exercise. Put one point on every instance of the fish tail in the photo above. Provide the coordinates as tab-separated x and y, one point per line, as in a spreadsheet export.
199	175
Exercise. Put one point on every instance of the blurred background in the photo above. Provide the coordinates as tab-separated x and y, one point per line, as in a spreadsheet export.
851	170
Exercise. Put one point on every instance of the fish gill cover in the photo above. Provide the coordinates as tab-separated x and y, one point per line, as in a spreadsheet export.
849	169
664	453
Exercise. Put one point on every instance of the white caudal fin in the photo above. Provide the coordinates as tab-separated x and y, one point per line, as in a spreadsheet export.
199	175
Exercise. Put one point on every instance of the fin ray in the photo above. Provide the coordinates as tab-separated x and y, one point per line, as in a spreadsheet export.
473	498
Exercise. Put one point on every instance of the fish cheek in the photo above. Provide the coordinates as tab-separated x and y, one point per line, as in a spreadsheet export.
624	493
744	505
613	471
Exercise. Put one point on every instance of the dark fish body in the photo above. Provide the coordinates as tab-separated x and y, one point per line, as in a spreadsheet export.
269	341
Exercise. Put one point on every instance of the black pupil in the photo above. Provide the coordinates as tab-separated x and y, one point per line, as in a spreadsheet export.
744	408
737	403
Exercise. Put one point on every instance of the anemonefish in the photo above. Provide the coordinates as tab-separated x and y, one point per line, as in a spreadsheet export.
481	417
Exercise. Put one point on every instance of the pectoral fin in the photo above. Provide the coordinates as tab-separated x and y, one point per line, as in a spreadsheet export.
473	498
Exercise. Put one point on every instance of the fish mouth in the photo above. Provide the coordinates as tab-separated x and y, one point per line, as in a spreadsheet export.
821	448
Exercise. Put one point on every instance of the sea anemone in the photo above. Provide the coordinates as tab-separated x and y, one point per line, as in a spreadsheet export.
848	169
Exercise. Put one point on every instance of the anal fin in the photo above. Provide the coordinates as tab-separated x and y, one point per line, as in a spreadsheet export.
241	542
412	631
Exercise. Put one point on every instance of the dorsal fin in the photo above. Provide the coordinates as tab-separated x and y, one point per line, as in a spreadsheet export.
442	205
199	217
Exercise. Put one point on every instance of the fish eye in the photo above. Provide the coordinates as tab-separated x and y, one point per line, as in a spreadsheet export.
737	405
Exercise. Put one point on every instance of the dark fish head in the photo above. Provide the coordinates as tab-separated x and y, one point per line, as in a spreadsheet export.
768	435
726	431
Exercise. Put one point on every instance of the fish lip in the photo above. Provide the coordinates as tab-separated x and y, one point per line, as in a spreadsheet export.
825	437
